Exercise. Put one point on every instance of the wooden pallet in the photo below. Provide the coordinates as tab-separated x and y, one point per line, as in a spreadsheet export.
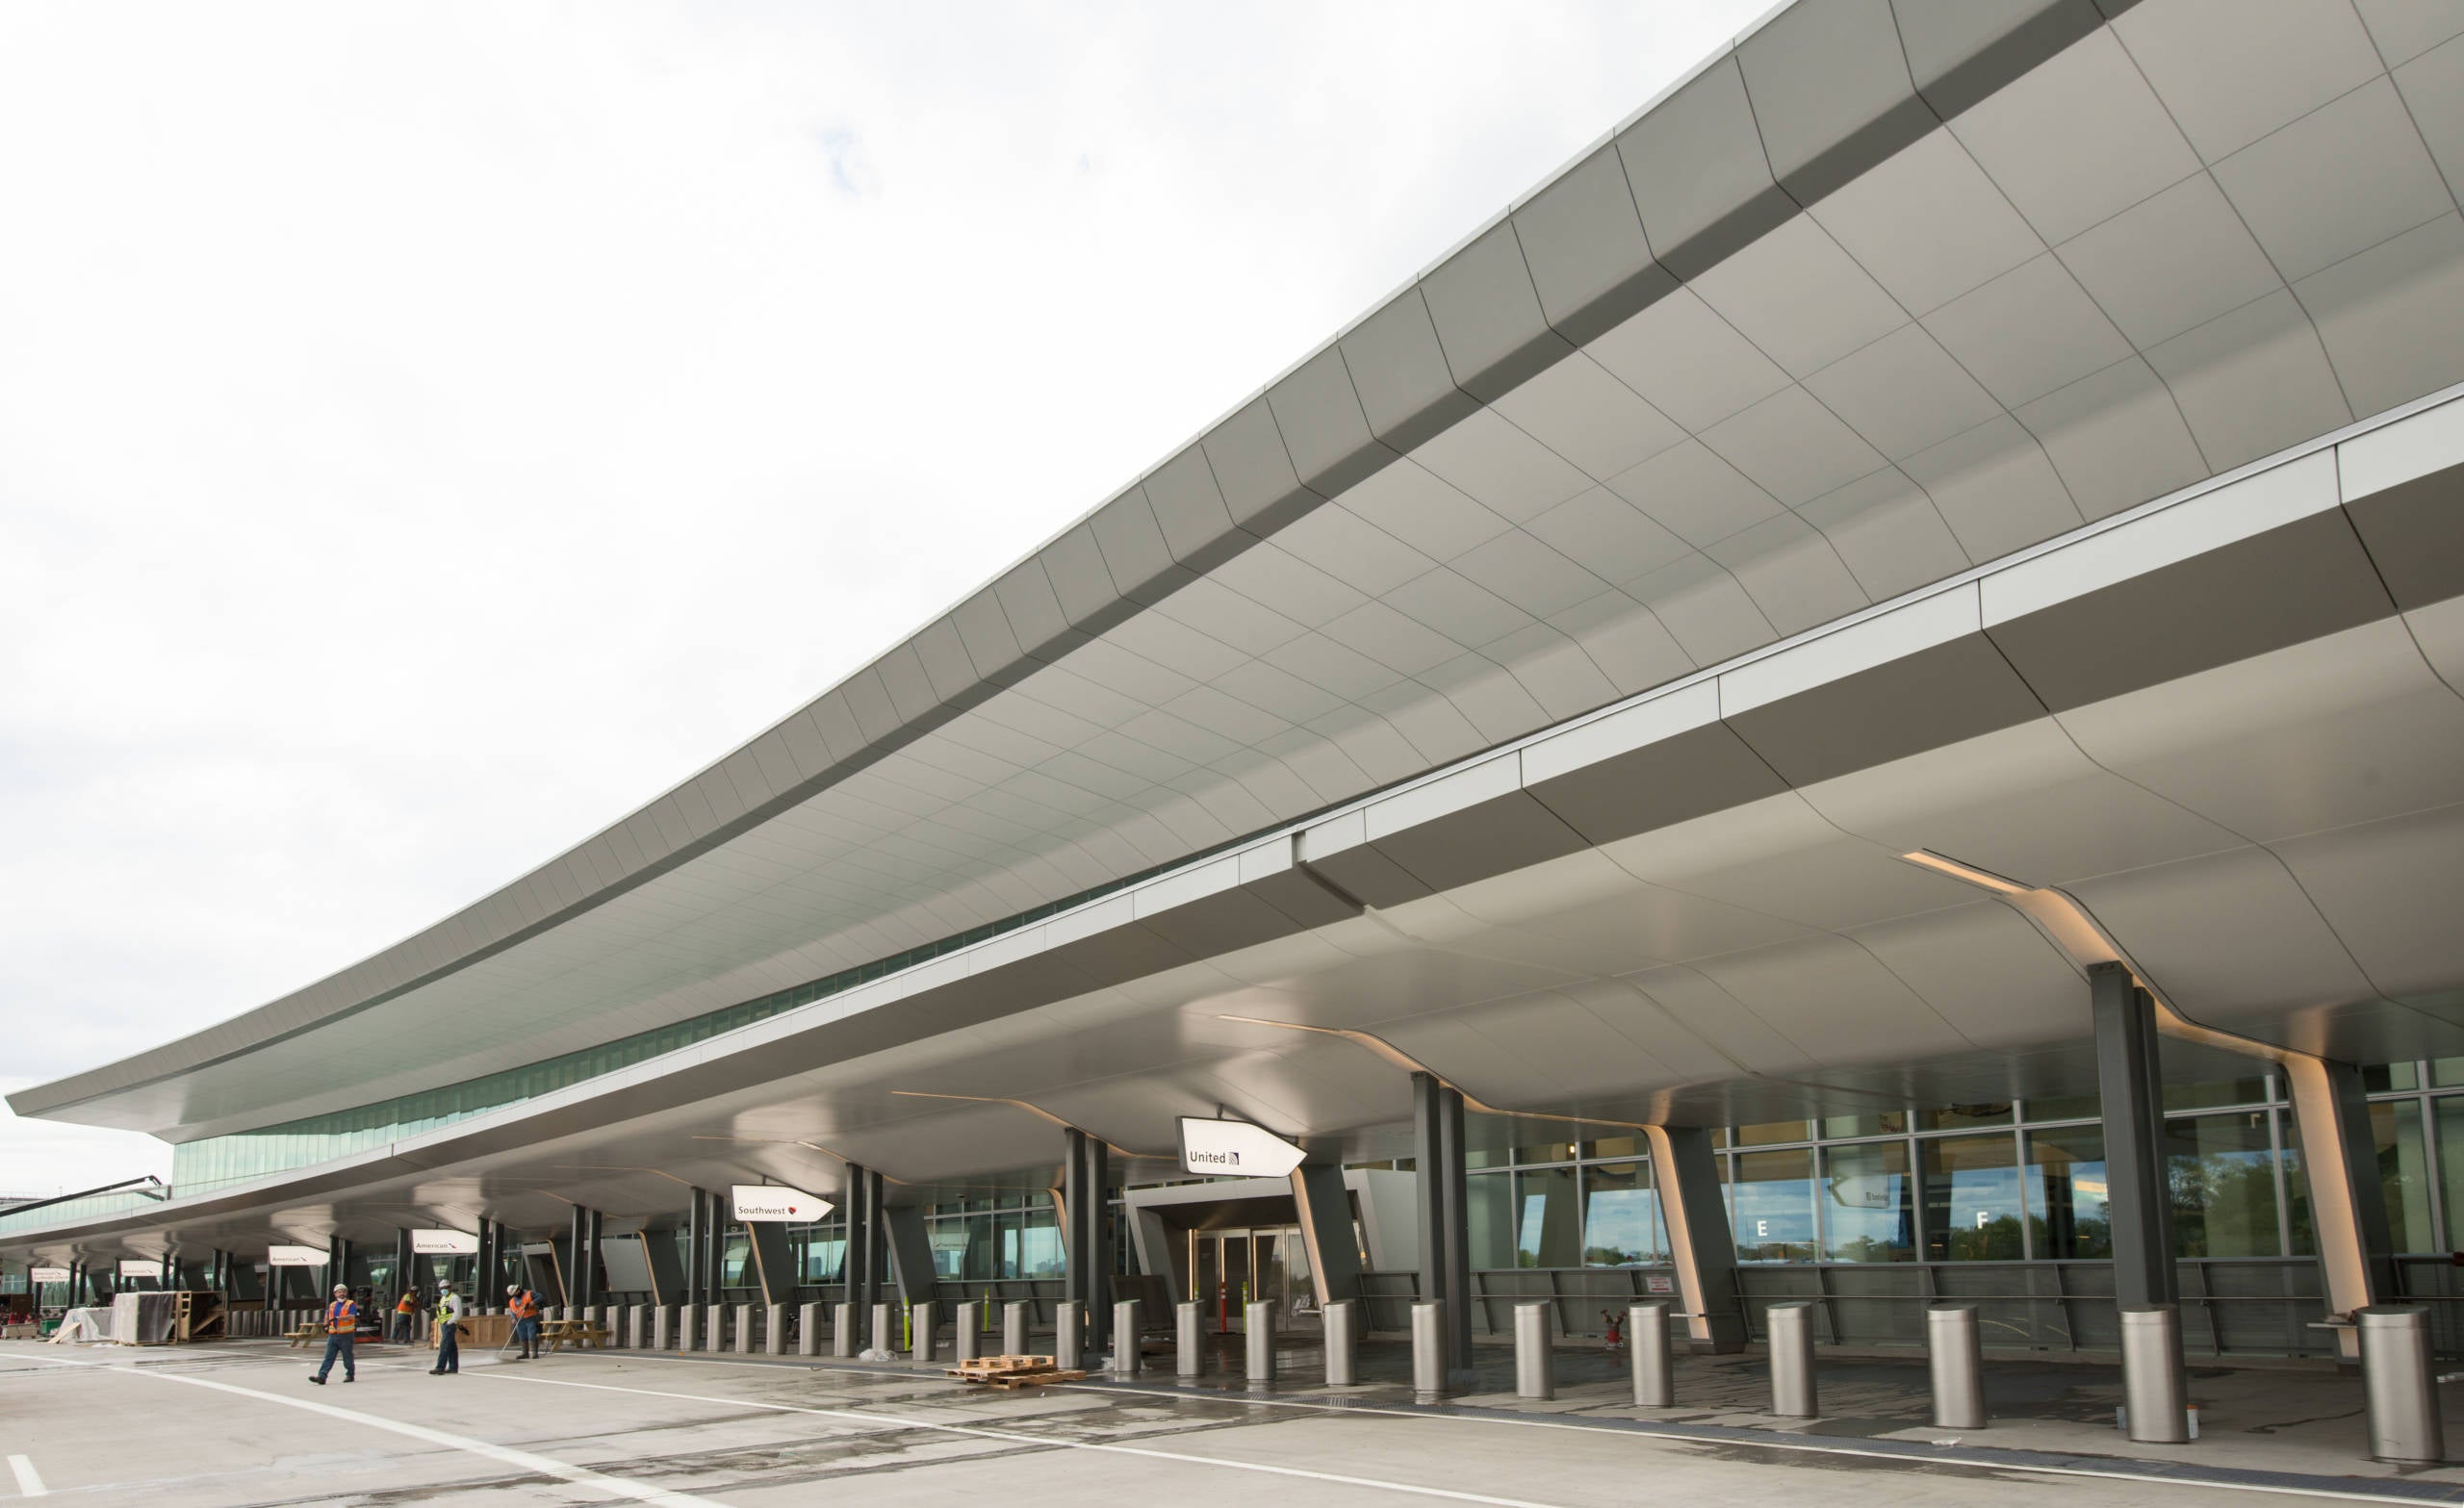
1012	1372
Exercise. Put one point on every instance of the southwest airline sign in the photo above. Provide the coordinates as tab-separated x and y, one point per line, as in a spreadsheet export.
777	1202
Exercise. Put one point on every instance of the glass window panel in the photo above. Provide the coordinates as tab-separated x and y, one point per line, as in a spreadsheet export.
1039	1244
1546	1152
1621	1224
2222	1172
1973	1208
949	1249
1771	1132
1963	1117
1889	1122
2063	1107
2390	1075
1771	1205
2446	1072
1868	1210
2065	1193
2450	1114
1547	1224
1488	1209
2232	1091
1476	1156
1617	1147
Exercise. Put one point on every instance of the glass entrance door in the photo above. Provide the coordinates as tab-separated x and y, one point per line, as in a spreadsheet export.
1231	1269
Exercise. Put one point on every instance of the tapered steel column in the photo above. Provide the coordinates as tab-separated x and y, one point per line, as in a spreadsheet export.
1535	1369
969	1334
2399	1384
2154	1392
1342	1320
1260	1319
1189	1339
1956	1354
1647	1343
1791	1333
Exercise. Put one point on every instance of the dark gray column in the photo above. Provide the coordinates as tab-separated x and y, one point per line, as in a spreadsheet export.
1326	1230
1457	1238
1086	1264
693	1250
910	1253
1438	1163
858	1269
596	1234
1686	1171
2130	1082
773	1263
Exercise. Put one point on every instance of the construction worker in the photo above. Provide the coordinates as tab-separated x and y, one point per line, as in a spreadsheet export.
448	1335
342	1324
524	1306
406	1311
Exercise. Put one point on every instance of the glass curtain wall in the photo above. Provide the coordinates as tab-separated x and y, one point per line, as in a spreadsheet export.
2022	1181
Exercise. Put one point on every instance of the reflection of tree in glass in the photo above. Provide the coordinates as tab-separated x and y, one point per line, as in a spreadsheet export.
1998	1240
2223	1204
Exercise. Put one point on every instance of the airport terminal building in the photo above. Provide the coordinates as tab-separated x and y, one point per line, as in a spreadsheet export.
1860	696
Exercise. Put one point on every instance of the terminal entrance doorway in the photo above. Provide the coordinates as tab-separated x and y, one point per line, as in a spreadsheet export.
1230	1269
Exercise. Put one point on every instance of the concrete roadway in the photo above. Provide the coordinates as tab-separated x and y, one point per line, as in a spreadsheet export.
238	1424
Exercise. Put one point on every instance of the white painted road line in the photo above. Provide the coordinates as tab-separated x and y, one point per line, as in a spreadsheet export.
29	1480
1040	1441
545	1466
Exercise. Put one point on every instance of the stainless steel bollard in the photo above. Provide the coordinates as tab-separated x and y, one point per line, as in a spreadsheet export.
1342	1320
774	1329
971	1330
2152	1386
1647	1351
926	1339
842	1330
808	1329
1189	1339
638	1328
1260	1318
1956	1352
1127	1358
744	1329
1793	1391
675	1328
1535	1369
1428	1349
2399	1385
714	1328
1013	1327
1068	1335
885	1337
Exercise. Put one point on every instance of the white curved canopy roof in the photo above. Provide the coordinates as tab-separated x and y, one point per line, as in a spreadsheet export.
1887	290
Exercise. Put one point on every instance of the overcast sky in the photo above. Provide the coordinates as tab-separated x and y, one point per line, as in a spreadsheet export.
429	431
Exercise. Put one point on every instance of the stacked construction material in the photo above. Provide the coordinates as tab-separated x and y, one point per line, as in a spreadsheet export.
1012	1372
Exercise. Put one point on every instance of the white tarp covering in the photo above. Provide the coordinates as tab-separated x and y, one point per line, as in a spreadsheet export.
83	1327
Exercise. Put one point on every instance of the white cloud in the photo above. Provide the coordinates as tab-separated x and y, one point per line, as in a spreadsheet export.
427	431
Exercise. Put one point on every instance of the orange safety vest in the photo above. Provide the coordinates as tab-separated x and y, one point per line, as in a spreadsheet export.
342	1316
525	1305
404	1306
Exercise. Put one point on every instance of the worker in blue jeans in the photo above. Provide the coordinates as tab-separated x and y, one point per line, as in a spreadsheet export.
342	1323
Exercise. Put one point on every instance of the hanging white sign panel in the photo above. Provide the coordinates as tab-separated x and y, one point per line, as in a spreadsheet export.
48	1275
1235	1147
294	1256
141	1267
444	1243
778	1202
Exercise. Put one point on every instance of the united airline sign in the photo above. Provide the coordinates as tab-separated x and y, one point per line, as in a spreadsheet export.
1237	1148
